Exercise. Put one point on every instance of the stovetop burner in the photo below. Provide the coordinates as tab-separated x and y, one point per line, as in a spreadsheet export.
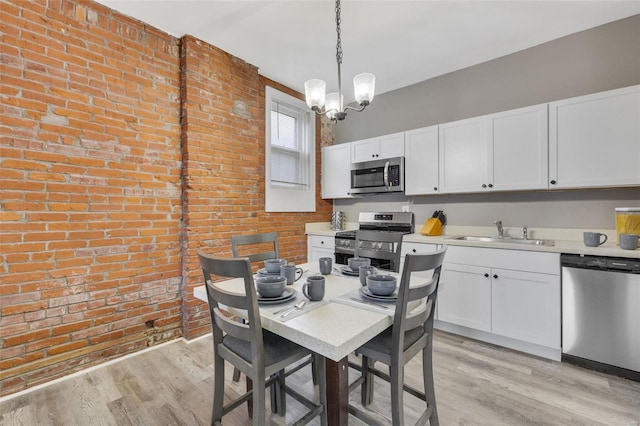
390	222
346	234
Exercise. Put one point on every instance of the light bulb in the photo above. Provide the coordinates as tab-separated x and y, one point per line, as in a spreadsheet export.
314	91
364	87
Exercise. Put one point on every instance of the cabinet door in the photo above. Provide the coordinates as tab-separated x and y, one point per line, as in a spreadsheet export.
320	246
594	140
520	149
378	148
364	150
464	149
421	161
336	171
391	146
464	297
316	253
526	306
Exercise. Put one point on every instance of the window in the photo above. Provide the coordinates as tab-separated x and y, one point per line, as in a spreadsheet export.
290	154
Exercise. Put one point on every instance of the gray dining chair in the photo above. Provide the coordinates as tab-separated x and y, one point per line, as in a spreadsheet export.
259	354
411	333
249	244
393	256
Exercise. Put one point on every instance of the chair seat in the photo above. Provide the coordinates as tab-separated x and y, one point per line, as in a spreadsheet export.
382	343
276	348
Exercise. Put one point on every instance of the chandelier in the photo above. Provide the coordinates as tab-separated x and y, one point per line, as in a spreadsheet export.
363	86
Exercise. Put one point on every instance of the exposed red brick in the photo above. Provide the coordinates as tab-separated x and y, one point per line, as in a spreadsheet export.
115	134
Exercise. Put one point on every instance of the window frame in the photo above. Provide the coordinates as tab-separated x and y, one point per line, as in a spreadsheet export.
282	197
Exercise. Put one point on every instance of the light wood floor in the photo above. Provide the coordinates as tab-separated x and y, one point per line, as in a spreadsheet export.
476	384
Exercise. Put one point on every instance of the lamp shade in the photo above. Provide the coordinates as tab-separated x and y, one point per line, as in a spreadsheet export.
364	87
314	92
333	105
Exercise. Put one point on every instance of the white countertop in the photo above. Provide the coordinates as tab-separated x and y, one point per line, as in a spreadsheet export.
333	329
566	240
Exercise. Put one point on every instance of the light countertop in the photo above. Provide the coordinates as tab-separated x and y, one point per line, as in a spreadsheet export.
566	240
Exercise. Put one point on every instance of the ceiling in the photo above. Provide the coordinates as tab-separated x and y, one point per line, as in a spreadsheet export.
402	42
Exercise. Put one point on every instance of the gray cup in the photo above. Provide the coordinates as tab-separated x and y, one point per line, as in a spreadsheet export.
365	271
290	272
326	263
593	239
628	241
313	289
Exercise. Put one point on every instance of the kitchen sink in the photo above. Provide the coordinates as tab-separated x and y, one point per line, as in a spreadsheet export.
505	240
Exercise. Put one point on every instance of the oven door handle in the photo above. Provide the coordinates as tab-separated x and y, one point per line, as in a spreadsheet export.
386	175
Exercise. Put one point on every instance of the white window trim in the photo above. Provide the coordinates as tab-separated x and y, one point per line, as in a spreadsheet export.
282	199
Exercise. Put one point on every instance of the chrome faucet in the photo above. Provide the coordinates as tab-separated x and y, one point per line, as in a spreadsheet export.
498	224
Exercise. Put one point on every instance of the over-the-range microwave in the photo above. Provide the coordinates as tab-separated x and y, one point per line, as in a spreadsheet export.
378	176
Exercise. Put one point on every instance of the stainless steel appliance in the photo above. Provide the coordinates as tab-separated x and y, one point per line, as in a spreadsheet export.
601	313
379	221
378	176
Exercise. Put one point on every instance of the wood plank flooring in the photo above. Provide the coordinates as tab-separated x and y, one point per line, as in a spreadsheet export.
476	384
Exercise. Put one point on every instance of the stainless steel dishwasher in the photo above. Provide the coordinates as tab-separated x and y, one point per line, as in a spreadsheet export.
601	313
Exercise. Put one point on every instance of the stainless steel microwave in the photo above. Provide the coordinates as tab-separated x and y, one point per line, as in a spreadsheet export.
378	176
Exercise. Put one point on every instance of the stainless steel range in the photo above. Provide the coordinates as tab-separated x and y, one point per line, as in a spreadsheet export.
345	241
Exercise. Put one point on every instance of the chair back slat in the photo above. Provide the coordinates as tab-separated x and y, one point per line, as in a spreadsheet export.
393	256
251	243
238	329
405	320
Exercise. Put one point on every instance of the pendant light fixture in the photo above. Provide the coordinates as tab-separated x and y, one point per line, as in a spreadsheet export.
363	87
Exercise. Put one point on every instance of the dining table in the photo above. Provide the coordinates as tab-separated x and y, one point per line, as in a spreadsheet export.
333	327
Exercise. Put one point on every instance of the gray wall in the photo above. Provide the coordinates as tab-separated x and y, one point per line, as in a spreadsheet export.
584	209
602	58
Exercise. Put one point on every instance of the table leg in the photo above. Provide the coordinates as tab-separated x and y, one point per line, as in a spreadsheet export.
337	392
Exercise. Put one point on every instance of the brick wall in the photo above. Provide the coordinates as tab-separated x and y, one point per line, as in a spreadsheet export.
224	167
92	229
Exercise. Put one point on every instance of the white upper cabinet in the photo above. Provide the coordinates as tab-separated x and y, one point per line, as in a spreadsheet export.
520	149
464	149
336	171
421	161
594	140
378	148
496	152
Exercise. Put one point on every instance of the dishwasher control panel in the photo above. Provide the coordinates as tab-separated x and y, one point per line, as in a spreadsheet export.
621	264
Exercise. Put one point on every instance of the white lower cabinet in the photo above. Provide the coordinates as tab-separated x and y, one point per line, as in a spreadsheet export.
526	306
506	297
464	297
320	246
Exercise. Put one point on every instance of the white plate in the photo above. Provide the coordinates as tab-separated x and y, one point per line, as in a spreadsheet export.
288	294
348	271
367	293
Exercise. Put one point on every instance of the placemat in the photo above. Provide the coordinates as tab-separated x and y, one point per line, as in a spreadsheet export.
355	298
309	306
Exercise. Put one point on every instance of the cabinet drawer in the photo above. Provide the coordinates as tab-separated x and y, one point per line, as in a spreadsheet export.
519	260
417	248
321	241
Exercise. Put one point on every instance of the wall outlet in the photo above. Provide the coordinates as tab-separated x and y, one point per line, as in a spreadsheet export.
405	209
